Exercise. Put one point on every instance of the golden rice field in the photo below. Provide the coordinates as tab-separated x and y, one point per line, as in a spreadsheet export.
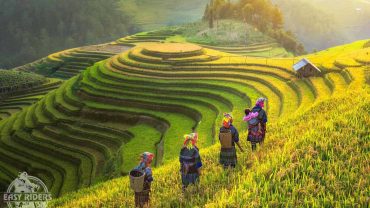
309	163
93	127
317	145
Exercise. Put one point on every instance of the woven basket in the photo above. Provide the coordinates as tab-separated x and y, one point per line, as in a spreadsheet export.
137	180
226	140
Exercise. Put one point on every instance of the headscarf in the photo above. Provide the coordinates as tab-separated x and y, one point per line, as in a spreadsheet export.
145	159
260	101
227	120
193	137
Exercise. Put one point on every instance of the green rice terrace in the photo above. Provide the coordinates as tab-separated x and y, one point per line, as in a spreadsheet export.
116	103
231	37
20	89
68	63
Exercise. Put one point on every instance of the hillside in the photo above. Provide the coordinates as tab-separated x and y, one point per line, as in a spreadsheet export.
20	89
144	98
74	23
35	28
11	81
292	169
318	136
232	37
68	63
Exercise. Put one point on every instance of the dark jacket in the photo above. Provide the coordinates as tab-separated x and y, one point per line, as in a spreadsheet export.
254	135
190	158
262	116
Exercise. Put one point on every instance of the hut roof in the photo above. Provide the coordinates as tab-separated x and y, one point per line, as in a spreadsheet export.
303	63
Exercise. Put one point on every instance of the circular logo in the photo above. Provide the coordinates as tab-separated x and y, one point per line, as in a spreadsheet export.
27	191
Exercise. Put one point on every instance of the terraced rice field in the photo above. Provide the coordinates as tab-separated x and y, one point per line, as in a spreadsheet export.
17	101
145	37
255	50
95	124
12	81
341	57
268	49
163	80
68	63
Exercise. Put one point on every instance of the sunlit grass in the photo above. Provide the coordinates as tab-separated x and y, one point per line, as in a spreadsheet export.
316	157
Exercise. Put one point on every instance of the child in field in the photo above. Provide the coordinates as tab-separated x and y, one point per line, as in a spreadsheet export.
142	198
190	161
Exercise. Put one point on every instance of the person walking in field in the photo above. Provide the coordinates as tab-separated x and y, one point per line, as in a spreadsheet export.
190	161
142	198
228	137
257	119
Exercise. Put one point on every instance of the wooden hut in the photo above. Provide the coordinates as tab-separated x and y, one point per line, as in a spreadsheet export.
304	68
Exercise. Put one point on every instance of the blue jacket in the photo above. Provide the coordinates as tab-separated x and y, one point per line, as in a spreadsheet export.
261	115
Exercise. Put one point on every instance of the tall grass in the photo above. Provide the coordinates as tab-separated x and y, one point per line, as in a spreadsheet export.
318	159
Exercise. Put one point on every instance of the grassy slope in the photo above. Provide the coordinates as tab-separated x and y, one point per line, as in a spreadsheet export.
326	58
19	89
225	32
231	36
317	158
127	163
342	22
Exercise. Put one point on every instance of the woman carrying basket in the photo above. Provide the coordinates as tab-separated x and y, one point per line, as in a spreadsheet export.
228	137
190	162
142	198
257	119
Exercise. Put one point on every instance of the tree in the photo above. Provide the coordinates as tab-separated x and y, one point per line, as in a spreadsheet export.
34	28
217	5
44	39
276	18
247	12
261	14
211	20
206	12
211	13
226	11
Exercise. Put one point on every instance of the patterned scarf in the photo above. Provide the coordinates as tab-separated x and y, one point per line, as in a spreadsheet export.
190	140
228	120
146	158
